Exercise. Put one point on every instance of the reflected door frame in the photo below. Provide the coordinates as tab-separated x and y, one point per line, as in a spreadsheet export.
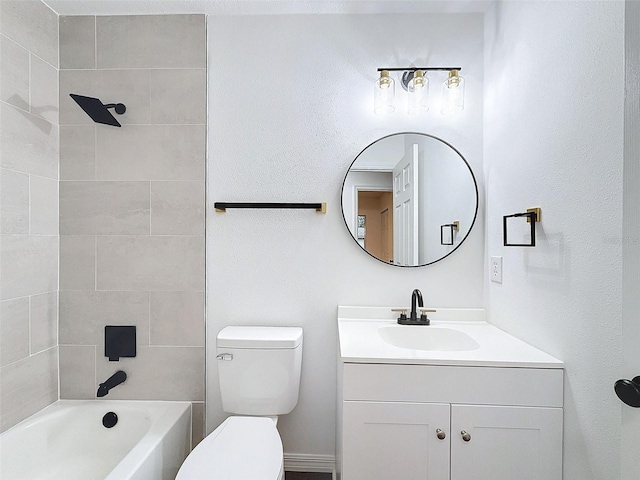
365	188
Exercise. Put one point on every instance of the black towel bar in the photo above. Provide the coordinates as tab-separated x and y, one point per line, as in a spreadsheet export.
318	207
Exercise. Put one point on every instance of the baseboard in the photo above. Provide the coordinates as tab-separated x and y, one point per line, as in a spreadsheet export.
298	462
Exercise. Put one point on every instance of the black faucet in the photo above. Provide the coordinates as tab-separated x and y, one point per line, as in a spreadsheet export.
416	296
111	382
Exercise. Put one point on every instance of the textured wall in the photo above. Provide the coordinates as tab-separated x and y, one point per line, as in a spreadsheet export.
132	205
553	139
290	107
630	438
28	209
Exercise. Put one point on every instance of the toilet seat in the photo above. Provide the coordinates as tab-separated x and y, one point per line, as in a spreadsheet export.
240	448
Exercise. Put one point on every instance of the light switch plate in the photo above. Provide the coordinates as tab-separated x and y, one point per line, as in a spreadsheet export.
495	271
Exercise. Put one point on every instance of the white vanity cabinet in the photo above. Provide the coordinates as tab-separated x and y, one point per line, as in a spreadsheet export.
394	440
506	443
407	422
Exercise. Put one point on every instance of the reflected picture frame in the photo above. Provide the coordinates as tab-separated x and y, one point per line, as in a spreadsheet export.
361	227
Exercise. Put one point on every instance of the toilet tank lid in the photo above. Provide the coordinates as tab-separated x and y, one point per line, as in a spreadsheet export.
259	337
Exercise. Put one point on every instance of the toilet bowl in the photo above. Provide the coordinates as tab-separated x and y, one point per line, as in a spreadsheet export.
259	376
241	448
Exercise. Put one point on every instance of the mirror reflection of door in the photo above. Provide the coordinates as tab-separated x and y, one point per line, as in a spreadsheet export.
405	208
377	207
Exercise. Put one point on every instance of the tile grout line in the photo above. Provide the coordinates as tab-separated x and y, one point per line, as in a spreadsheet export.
124	123
33	114
95	365
59	370
27	358
149	313
96	345
58	69
115	69
150	213
30	353
29	196
40	176
119	180
95	263
36	235
30	83
95	42
95	152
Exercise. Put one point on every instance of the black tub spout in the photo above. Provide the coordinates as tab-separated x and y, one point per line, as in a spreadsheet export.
113	381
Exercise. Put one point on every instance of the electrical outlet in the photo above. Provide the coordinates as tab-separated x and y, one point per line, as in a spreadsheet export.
496	269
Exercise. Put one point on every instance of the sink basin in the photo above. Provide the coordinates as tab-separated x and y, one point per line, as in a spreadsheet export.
456	336
427	338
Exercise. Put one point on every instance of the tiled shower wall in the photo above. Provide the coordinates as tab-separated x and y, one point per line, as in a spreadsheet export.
132	206
28	209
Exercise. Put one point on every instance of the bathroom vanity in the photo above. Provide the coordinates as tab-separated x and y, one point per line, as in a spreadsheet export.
456	400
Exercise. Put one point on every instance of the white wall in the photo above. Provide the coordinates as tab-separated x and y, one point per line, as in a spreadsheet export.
447	194
290	107
630	438
553	139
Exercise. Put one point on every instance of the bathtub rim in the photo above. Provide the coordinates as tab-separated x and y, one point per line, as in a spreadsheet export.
167	413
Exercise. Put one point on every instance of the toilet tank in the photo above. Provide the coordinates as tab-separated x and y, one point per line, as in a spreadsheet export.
259	369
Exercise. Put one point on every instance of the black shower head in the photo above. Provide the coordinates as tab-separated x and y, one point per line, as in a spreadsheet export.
98	111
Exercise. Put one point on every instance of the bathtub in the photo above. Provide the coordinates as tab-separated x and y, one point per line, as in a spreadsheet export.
67	441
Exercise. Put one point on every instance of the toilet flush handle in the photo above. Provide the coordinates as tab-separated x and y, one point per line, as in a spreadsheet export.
225	356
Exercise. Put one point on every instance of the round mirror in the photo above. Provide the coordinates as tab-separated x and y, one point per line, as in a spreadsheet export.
409	199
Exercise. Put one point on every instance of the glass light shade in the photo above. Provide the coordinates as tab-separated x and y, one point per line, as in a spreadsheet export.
418	94
384	94
453	94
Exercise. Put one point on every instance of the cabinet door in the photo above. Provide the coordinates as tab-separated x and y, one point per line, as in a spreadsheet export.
506	443
385	441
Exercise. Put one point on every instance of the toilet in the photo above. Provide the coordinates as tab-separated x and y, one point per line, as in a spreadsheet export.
259	377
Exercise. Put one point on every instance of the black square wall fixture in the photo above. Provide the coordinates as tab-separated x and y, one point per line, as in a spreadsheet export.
119	341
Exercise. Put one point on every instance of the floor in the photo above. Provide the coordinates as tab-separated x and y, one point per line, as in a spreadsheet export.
306	476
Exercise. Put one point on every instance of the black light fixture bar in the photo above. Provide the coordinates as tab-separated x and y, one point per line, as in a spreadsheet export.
318	207
413	69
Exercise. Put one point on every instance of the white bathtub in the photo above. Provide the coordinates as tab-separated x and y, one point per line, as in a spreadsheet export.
67	441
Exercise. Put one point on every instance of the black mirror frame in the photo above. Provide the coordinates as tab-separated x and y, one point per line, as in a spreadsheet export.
475	184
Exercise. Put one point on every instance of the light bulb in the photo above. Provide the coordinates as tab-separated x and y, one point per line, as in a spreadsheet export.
453	94
418	94
384	94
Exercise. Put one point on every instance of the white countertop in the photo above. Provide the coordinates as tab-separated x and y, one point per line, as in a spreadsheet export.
360	341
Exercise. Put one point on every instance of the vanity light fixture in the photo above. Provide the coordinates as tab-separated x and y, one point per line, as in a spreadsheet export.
418	94
453	94
384	94
414	80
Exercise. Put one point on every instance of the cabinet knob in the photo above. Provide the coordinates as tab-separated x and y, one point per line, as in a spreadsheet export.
465	436
440	434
